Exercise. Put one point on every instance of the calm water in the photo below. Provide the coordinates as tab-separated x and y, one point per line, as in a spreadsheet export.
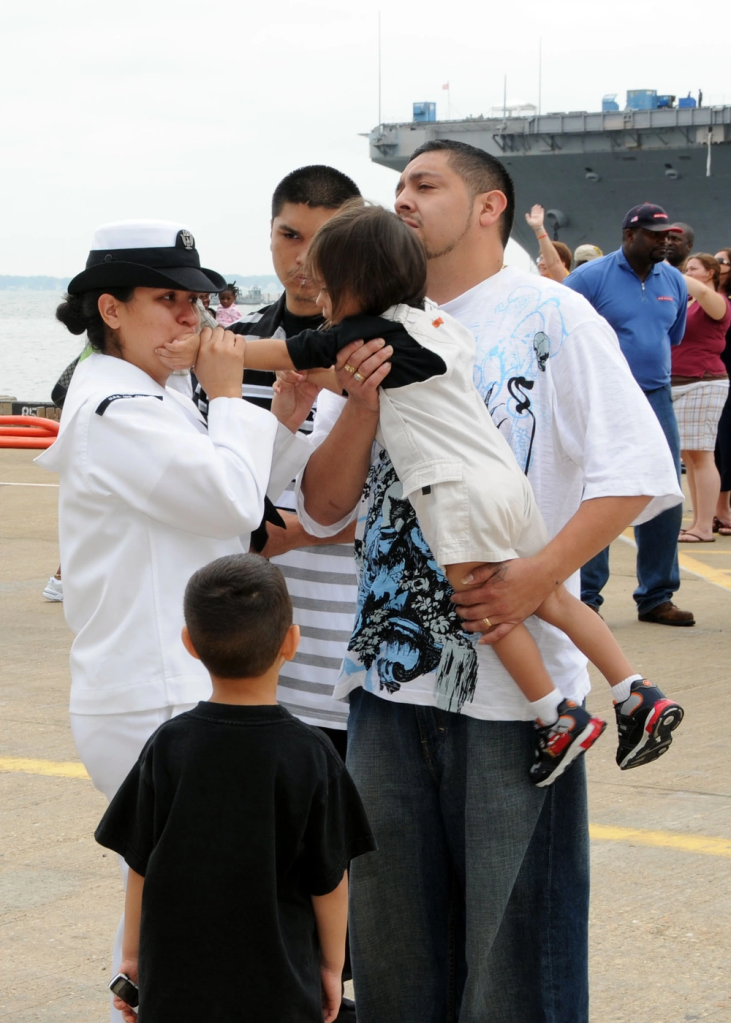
34	347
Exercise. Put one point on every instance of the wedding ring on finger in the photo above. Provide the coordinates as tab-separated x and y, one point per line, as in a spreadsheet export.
487	622
349	369
359	377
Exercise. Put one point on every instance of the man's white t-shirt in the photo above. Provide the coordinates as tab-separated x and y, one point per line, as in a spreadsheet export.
557	385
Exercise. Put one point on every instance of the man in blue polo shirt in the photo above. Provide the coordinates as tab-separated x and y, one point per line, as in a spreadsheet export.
644	299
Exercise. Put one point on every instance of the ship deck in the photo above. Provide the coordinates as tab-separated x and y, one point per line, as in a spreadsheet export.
661	835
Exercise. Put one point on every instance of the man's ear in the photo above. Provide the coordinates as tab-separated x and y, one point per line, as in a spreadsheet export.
291	642
188	643
109	311
491	207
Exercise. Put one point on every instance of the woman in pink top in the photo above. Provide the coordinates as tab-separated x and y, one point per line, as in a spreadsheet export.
700	388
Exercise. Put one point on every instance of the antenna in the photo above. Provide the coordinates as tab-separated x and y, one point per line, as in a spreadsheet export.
540	71
505	97
379	68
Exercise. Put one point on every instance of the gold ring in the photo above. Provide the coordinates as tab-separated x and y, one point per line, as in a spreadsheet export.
348	368
487	622
359	377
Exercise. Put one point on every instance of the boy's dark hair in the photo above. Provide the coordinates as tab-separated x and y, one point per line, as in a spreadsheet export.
367	252
237	610
480	172
316	185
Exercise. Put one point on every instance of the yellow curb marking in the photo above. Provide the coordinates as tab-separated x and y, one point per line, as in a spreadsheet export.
702	844
716	576
55	768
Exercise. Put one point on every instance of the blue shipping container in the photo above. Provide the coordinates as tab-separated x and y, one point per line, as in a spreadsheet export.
642	99
425	111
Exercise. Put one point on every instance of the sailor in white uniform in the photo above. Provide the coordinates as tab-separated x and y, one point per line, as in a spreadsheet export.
148	491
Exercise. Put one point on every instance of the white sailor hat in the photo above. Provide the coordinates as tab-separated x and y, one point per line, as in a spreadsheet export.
145	254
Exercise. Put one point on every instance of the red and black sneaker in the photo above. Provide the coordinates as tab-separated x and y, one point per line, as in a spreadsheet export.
646	721
558	745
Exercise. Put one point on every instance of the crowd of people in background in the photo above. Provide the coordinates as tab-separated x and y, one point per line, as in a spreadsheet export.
354	715
700	365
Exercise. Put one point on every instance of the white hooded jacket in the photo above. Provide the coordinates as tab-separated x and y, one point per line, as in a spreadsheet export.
149	494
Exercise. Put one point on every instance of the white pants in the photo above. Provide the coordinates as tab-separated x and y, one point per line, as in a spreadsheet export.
109	745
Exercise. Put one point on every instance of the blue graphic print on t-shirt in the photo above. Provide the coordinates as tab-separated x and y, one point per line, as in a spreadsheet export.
406	625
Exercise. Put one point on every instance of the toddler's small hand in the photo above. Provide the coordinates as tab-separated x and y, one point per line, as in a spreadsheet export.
180	353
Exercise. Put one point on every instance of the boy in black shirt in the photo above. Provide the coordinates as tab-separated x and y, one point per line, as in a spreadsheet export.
238	823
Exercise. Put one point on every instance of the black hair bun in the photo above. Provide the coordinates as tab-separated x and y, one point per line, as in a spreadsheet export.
71	313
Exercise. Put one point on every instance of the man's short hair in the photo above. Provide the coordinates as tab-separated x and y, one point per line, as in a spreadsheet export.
687	231
314	186
480	172
238	611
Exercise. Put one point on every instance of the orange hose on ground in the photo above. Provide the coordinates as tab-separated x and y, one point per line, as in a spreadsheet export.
26	442
22	431
30	422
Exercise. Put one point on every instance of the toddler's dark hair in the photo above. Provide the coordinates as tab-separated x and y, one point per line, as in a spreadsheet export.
367	252
238	611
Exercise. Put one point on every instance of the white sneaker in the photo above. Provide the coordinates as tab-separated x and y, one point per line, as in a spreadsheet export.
54	589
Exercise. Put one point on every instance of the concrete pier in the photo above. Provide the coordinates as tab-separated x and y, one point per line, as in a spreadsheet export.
661	835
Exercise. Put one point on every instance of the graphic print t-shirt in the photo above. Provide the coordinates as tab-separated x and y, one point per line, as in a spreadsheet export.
551	373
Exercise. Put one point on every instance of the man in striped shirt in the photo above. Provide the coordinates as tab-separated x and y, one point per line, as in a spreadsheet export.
320	575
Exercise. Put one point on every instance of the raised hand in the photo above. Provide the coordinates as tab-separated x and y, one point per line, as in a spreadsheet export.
535	218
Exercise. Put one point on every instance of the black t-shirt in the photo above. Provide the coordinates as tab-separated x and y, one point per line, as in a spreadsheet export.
235	816
411	362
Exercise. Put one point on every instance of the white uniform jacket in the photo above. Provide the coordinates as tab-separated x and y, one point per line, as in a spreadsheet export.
148	494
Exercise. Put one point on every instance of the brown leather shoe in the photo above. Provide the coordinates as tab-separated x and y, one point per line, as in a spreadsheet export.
667	614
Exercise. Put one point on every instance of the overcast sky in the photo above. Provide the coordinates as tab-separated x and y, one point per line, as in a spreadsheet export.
182	111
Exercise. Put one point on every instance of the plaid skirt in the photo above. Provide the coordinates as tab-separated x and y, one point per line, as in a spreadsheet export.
698	408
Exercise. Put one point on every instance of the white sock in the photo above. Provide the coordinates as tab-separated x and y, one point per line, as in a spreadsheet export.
621	691
546	709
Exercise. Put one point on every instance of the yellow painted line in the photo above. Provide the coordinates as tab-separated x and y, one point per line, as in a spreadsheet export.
704	845
716	576
701	844
53	768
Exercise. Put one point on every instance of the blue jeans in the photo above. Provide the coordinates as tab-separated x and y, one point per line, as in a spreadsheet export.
475	906
658	574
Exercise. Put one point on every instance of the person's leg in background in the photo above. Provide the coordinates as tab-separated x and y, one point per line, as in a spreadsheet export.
706	486
723	464
594	576
109	745
658	573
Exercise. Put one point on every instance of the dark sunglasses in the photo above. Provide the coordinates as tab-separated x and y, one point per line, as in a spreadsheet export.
725	262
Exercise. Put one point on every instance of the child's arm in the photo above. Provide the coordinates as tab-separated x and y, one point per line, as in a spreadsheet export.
267	353
331	915
131	940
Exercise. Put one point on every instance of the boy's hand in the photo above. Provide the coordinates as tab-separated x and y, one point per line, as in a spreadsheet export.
130	967
180	353
332	989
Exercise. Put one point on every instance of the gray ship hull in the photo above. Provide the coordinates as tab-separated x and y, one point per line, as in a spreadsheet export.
591	168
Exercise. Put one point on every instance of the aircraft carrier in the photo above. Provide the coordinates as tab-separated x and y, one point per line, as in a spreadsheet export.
588	169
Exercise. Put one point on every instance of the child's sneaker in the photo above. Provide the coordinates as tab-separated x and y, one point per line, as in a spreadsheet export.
558	745
646	721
